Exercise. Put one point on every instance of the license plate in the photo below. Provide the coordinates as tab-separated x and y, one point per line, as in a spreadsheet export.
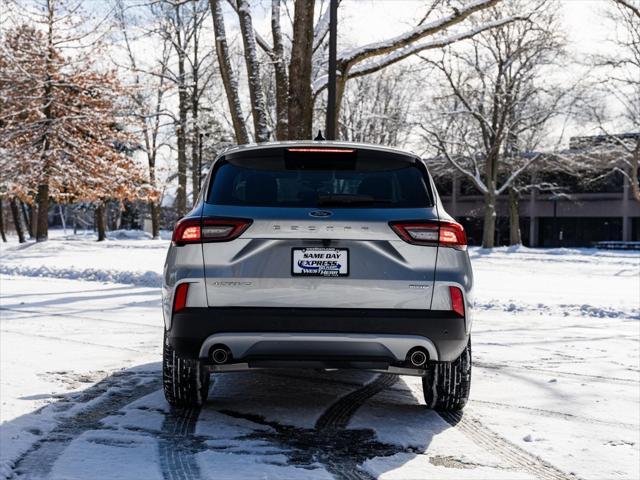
321	262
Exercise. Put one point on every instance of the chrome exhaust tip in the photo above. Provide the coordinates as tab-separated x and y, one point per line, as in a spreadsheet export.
418	357
220	354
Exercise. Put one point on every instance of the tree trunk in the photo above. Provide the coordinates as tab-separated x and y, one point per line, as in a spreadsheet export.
42	224
229	80
635	160
256	92
515	237
282	79
341	85
155	219
114	219
27	219
181	128
63	219
2	234
33	219
42	229
489	227
300	95
100	222
195	104
17	220
195	150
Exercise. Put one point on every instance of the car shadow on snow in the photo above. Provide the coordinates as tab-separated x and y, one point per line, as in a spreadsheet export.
272	424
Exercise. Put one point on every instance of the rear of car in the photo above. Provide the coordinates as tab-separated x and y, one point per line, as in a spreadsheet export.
319	255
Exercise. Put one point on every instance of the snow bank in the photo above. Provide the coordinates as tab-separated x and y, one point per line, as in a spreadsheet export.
140	279
582	310
128	256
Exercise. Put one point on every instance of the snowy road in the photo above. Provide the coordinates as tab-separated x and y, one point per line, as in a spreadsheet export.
556	383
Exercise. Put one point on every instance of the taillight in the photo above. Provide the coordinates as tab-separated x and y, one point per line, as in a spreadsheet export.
457	300
432	233
452	235
180	298
196	230
186	231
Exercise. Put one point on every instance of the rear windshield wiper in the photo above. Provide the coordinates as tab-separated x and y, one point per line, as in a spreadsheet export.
348	199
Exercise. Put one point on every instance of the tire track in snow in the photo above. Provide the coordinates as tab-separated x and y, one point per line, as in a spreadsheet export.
337	417
585	376
510	453
33	313
178	445
69	340
103	399
552	414
340	451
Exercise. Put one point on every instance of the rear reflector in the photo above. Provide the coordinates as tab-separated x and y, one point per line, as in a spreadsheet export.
457	300
180	299
196	230
432	233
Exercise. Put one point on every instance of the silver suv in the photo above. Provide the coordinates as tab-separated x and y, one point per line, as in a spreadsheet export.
318	255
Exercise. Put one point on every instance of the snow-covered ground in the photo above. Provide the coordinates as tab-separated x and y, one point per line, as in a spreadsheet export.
556	382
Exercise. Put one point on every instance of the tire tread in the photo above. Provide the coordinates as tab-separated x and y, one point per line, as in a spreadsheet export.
185	380
446	385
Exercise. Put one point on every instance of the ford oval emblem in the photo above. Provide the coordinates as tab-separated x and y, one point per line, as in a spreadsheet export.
321	213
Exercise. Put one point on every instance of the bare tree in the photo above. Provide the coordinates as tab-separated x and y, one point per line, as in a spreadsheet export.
179	34
375	108
300	95
308	39
229	78
17	219
202	74
189	71
147	97
256	91
495	105
280	73
2	233
622	70
373	57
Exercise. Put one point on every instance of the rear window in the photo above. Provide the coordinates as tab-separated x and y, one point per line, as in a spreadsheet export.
312	181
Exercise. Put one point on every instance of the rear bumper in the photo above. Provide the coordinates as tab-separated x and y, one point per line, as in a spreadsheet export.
345	334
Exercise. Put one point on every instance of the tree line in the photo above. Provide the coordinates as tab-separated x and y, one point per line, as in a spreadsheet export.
131	103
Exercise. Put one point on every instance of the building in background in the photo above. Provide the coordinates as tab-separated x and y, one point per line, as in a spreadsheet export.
579	214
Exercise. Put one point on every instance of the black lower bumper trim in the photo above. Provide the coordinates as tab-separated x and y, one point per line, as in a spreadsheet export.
191	326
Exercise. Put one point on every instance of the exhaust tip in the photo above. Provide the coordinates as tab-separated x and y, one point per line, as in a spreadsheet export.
418	357
220	354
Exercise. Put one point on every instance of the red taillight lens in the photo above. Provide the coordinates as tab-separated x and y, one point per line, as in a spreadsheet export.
445	234
180	298
196	230
457	300
452	235
186	231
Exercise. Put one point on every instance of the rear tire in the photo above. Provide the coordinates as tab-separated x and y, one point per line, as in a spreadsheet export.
185	380
446	385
